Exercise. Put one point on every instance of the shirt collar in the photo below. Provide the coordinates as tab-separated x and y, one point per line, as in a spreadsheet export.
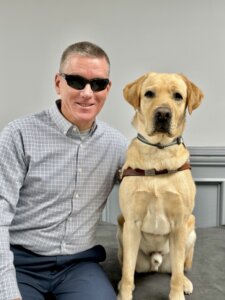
62	123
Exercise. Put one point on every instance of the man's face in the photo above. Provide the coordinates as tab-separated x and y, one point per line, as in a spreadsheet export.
81	107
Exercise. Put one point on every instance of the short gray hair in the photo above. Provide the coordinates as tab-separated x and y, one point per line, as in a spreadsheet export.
84	49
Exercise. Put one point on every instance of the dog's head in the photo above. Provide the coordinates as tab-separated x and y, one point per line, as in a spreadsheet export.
160	101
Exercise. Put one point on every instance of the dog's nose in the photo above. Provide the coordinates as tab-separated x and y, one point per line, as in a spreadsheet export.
163	114
162	119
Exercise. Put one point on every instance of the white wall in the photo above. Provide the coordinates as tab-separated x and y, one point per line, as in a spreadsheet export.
139	36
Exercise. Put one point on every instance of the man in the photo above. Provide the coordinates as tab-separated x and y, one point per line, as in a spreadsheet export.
57	170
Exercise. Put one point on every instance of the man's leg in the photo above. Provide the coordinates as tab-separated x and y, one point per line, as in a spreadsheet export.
84	280
29	292
32	273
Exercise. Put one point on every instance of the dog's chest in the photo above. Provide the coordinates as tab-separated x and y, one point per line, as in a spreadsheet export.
155	222
155	202
163	204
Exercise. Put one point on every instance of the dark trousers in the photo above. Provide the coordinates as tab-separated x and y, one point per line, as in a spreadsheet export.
66	277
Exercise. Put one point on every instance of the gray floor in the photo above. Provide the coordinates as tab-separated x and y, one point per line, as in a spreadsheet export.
207	273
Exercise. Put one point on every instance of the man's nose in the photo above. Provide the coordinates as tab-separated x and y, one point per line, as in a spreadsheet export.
87	90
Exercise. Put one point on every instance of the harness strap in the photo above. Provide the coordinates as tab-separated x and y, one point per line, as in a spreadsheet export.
153	172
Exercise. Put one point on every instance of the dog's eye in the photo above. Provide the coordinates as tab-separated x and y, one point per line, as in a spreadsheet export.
177	96
150	94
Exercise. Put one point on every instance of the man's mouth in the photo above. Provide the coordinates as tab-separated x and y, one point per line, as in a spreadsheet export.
85	104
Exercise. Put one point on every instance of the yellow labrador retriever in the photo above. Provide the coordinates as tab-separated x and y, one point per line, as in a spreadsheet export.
156	230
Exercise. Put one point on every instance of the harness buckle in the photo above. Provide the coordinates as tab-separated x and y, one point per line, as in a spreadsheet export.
150	172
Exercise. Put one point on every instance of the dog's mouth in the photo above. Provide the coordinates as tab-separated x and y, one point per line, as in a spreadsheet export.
162	128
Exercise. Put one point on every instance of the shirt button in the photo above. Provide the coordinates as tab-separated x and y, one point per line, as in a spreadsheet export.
79	170
77	196
63	245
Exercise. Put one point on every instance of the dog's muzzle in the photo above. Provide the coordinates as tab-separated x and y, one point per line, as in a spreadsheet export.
162	119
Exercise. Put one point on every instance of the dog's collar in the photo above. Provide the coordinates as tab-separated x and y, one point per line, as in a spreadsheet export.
152	172
177	141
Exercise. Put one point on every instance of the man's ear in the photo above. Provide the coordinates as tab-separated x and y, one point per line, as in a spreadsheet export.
57	83
109	86
132	91
194	95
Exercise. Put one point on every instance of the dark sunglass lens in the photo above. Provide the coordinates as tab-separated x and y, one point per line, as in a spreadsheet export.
76	82
99	84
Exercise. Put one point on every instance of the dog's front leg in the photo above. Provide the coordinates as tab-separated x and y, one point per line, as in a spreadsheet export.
131	243
177	255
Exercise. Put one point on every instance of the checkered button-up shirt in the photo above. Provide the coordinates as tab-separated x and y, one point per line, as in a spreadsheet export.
54	183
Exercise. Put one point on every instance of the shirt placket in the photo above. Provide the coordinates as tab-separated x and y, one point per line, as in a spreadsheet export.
70	223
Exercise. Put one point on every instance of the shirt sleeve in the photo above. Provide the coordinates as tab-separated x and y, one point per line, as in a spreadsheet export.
124	148
12	172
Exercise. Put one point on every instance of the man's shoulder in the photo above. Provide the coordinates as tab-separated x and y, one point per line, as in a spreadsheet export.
26	126
28	121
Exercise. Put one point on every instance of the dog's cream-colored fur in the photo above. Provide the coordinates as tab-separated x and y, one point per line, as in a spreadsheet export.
156	229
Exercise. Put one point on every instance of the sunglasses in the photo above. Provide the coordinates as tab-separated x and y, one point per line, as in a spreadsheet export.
78	82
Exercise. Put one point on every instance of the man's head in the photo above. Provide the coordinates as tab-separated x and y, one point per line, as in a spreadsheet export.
83	83
85	49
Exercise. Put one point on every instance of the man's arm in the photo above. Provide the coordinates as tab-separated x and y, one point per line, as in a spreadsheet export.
12	170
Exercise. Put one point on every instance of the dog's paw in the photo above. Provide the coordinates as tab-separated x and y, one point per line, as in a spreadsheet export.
176	296
188	286
123	296
125	291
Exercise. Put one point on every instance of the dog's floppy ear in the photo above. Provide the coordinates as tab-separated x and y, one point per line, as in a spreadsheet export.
131	91
194	95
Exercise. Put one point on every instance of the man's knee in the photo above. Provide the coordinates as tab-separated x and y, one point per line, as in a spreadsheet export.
99	284
87	281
